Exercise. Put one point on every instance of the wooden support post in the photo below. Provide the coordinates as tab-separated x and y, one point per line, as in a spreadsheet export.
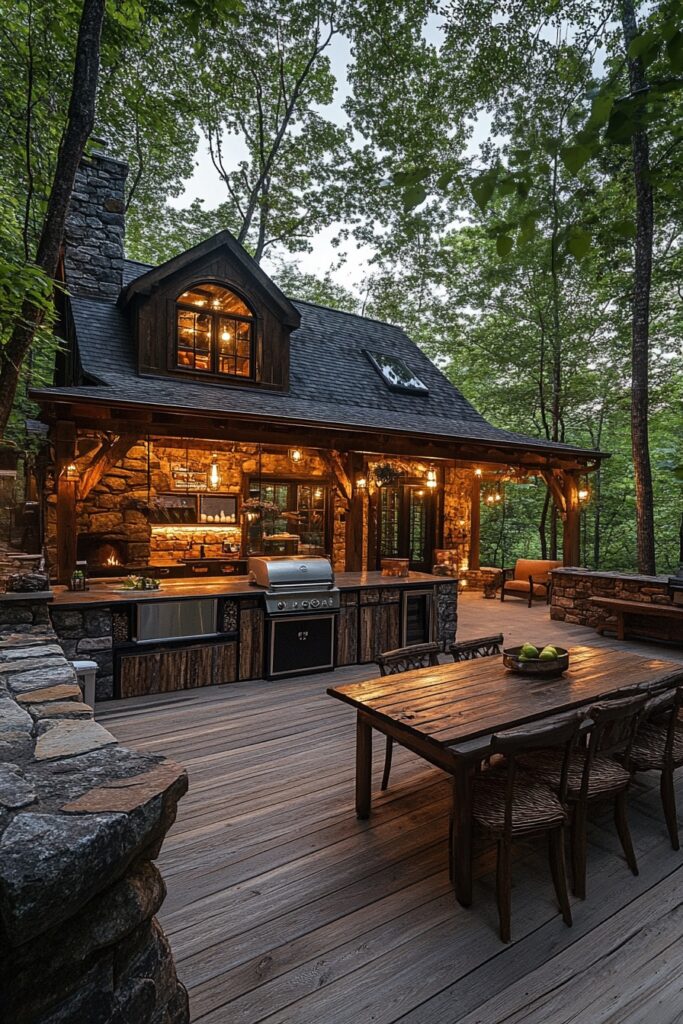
354	517
373	529
475	521
571	541
65	455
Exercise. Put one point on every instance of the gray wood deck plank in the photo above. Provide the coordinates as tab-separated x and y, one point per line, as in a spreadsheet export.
283	907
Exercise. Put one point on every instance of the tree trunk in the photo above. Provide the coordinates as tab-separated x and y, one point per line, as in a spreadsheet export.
80	121
640	324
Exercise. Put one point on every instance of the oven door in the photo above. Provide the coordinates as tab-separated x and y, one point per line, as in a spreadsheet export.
298	644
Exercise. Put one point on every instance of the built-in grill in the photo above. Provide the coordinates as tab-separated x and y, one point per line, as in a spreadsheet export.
301	605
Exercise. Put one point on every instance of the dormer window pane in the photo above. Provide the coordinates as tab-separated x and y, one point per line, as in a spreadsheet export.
210	341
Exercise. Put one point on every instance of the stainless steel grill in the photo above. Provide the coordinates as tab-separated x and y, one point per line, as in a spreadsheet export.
295	584
301	605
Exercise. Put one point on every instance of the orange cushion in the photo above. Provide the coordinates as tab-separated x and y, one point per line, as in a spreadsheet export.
522	587
526	567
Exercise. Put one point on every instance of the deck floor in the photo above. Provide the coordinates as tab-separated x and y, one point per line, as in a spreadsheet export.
283	907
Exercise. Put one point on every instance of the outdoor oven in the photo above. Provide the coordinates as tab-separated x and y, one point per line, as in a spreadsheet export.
302	602
105	554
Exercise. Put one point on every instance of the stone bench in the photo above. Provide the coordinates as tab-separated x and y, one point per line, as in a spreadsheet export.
81	821
667	624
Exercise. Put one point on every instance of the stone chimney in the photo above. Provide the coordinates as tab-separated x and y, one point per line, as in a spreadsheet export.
95	227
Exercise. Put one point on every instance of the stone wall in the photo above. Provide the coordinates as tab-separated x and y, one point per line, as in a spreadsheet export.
81	821
573	588
86	634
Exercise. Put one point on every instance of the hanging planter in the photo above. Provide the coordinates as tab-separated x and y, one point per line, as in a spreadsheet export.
386	474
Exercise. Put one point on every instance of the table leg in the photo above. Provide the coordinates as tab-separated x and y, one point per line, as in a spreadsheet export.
462	833
363	767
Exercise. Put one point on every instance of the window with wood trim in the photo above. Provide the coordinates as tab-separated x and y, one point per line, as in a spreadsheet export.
214	332
299	522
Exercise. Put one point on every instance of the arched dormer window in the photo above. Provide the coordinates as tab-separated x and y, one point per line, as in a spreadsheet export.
214	332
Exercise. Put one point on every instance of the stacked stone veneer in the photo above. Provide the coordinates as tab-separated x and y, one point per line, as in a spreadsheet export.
81	821
85	634
446	613
95	228
573	589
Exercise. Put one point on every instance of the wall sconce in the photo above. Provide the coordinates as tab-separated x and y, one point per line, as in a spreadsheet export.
70	472
295	454
583	494
361	483
477	471
431	478
214	474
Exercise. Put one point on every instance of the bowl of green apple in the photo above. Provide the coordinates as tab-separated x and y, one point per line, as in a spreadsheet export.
536	660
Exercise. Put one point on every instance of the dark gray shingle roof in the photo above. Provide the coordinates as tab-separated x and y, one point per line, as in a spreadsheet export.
331	378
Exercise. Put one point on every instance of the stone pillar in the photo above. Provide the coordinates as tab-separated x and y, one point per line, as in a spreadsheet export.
95	228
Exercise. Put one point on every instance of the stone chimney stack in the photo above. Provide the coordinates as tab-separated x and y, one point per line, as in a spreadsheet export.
95	227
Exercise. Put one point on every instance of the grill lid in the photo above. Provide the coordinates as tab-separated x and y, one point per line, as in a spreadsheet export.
291	572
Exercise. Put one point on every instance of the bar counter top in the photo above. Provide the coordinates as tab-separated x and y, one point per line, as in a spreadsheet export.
109	592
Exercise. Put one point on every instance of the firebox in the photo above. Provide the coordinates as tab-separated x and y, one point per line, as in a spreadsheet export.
102	552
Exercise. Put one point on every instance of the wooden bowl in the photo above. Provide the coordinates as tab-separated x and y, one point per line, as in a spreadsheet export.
536	666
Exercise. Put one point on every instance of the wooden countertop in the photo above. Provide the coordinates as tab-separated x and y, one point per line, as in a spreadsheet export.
104	591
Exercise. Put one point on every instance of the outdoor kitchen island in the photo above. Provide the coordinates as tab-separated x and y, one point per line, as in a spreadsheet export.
193	633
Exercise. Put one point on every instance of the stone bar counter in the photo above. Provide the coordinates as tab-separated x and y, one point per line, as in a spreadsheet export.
99	624
82	820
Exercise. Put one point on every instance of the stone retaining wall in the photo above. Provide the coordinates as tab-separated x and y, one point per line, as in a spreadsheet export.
573	588
446	613
81	821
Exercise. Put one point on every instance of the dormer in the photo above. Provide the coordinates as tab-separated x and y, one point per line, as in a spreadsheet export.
211	314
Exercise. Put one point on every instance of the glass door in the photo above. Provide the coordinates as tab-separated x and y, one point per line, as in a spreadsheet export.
406	525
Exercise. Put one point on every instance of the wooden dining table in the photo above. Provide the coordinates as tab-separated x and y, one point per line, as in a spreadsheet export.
447	715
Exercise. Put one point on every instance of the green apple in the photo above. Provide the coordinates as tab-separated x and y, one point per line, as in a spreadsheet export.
529	651
548	654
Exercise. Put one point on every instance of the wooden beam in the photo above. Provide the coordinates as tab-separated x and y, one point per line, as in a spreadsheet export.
475	521
354	517
557	491
65	454
112	450
571	538
343	483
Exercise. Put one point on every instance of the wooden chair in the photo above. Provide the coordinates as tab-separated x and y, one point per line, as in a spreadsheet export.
508	806
404	659
530	578
483	647
658	746
597	771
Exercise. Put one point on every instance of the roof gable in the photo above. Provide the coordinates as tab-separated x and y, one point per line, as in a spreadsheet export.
142	284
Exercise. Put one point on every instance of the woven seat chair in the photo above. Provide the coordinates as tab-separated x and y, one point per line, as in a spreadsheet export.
508	805
597	771
404	659
484	647
658	746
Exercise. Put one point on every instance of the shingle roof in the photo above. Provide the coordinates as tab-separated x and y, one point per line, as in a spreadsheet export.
332	382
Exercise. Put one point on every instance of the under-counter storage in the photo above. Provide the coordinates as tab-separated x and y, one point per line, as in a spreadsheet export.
379	624
176	668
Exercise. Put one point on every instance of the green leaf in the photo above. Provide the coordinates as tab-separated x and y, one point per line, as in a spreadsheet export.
574	157
506	186
601	109
644	46
413	196
527	228
523	188
444	180
578	243
503	245
483	187
674	52
624	228
621	127
408	178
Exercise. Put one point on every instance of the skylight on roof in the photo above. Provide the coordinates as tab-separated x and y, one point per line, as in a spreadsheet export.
396	373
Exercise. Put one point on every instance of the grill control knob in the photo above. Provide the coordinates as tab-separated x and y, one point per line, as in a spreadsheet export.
281	606
304	604
315	603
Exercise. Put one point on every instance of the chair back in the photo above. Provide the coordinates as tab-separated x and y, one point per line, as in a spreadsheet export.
513	742
536	567
484	647
664	707
405	659
613	728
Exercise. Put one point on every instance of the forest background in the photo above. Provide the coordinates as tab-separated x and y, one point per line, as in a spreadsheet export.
471	171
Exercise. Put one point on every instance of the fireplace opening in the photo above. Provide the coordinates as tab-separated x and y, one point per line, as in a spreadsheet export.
102	553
